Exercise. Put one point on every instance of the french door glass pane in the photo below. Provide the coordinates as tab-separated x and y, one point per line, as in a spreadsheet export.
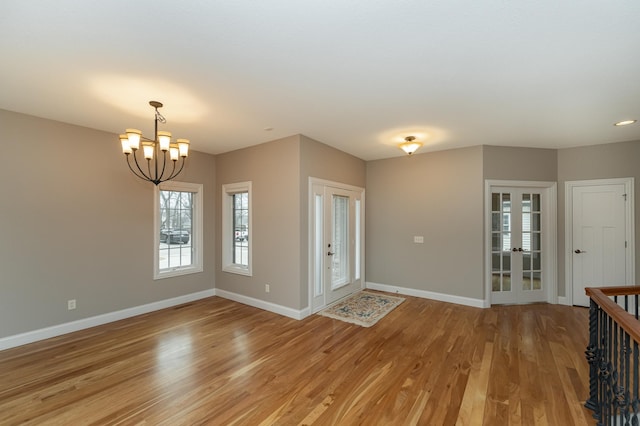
501	235
340	249
319	246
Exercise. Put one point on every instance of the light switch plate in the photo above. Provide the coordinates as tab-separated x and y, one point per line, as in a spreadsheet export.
418	239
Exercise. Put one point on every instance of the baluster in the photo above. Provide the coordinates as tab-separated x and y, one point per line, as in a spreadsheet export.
592	357
627	373
636	378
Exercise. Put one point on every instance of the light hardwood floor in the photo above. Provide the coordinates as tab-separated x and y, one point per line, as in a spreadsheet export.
222	363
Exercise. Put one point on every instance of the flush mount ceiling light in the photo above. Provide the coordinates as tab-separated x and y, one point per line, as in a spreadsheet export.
625	122
153	149
410	145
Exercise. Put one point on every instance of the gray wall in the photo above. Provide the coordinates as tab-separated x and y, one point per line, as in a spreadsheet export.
438	195
616	160
273	169
508	163
78	225
280	172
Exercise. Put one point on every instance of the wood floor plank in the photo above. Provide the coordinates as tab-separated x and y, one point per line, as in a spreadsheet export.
217	362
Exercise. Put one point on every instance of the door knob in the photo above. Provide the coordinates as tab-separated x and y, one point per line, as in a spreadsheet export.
330	253
578	251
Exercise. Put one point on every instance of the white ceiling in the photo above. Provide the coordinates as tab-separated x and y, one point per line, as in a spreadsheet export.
358	75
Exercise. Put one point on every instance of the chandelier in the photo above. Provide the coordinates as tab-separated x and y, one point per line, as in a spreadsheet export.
152	150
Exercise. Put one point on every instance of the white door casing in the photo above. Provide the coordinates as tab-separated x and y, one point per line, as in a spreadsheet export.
522	216
336	241
599	236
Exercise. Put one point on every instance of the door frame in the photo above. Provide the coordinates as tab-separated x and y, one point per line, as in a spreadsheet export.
549	221
311	247
628	183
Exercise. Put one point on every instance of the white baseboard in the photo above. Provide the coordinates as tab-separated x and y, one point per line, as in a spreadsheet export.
70	327
261	304
467	301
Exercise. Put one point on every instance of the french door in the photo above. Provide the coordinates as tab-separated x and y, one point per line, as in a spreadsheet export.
336	242
519	261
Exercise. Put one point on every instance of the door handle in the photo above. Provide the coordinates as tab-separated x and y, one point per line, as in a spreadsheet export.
517	249
330	253
578	251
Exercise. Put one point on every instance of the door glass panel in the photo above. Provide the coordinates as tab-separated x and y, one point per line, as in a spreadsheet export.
535	241
537	281
506	261
535	222
501	235
526	261
319	247
495	202
536	261
495	282
536	202
357	247
495	241
526	280
495	221
340	249
506	282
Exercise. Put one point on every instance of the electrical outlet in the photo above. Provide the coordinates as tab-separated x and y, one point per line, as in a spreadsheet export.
71	304
267	289
418	239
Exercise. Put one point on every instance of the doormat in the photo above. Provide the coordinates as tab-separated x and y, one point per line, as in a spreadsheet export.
363	308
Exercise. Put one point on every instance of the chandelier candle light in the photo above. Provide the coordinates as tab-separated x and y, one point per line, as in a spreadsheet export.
153	149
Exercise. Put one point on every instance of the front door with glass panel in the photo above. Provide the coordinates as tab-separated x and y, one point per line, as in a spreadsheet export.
517	234
336	243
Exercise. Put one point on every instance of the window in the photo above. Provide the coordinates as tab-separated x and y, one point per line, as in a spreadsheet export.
178	229
236	228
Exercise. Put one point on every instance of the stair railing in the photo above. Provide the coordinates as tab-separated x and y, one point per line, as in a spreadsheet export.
613	355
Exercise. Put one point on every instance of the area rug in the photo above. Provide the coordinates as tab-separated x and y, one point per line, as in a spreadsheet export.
363	308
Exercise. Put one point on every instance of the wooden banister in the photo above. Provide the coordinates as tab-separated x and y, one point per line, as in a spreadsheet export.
627	321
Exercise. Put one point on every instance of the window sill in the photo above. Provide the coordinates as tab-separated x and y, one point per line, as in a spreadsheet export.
177	272
240	270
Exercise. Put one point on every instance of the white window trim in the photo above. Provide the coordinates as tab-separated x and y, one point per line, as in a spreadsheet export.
228	190
196	237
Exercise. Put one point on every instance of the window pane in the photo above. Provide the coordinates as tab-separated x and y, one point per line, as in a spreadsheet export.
176	243
241	228
495	202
